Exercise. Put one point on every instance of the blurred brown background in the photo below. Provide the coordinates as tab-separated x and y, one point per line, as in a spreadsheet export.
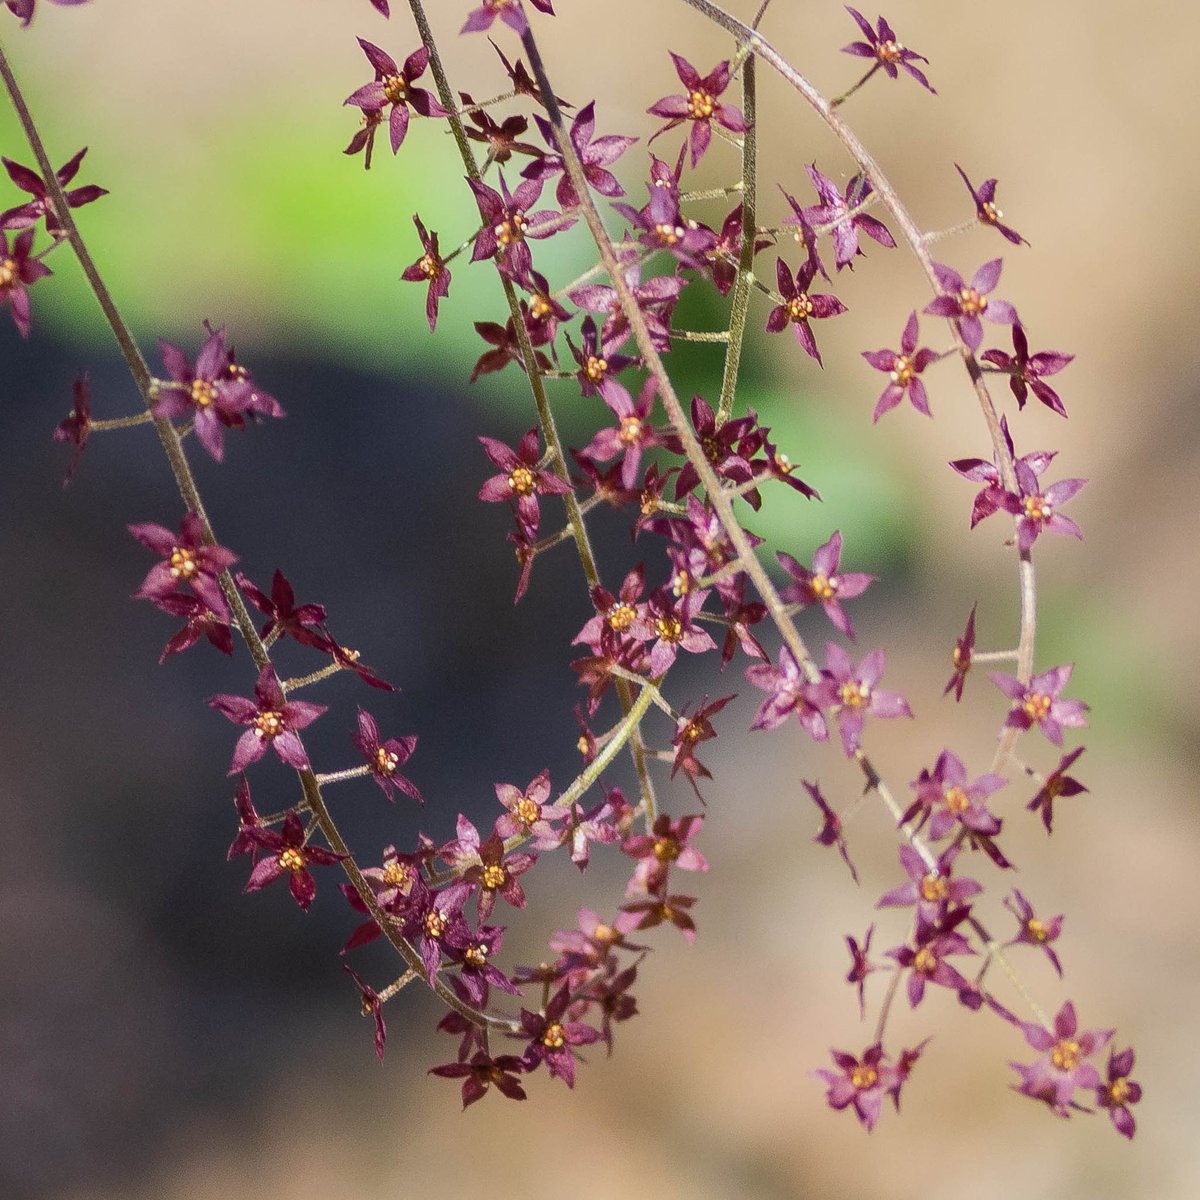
163	1036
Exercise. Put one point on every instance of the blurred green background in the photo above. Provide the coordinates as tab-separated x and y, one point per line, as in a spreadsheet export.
163	1035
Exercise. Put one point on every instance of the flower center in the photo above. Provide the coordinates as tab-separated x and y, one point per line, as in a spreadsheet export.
700	106
890	51
494	876
631	430
527	811
823	587
520	481
1065	1055
8	272
1036	929
182	563
292	859
395	88
268	725
476	954
934	888
400	876
435	923
991	214
902	369
957	801
541	307
595	368
1118	1091
1037	706
668	235
555	1036
670	629
924	961
385	761
510	230
621	616
1036	508
854	694
203	393
666	849
972	302
428	266
800	307
864	1077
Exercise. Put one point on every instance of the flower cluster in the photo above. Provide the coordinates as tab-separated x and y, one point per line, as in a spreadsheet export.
698	591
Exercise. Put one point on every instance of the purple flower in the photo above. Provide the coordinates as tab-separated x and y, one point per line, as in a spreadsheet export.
690	731
673	622
484	865
860	966
852	694
1037	703
789	693
662	226
823	585
521	479
964	648
215	394
507	223
1026	370
632	434
482	1070
904	367
946	800
1119	1092
393	85
798	307
888	53
305	623
509	11
598	361
666	845
187	558
700	105
932	892
968	302
655	298
372	1006
1031	931
32	211
595	153
985	207
552	1036
1062	1069
272	720
199	621
431	269
1057	783
528	814
835	211
860	1082
76	427
384	757
830	833
288	854
18	269
926	962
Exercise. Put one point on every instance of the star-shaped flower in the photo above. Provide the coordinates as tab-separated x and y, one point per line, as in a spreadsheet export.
273	721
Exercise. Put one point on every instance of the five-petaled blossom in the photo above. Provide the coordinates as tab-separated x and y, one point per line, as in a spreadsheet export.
967	302
839	213
1026	371
852	694
32	211
700	105
1031	930
798	307
288	853
429	268
394	85
883	47
552	1036
862	1083
1118	1091
824	584
1057	783
904	367
272	720
186	558
1036	508
384	757
1063	1068
1038	703
521	479
18	269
